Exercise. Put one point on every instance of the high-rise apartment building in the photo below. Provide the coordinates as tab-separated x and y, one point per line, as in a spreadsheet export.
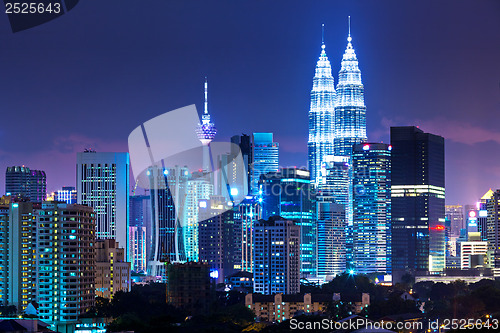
65	261
417	199
17	253
277	257
372	208
216	232
290	194
265	158
102	182
112	271
24	182
321	115
331	242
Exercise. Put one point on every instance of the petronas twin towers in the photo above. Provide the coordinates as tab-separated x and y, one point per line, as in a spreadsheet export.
337	119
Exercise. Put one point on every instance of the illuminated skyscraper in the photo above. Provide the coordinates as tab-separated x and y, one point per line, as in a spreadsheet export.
290	194
372	208
350	109
265	158
102	182
417	201
321	115
167	190
331	240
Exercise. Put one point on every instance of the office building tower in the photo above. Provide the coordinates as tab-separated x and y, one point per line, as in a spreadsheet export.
216	236
372	208
331	259
321	115
290	194
17	253
65	261
167	190
417	200
277	257
245	143
139	231
246	214
21	181
102	182
68	194
350	109
265	158
206	132
112	271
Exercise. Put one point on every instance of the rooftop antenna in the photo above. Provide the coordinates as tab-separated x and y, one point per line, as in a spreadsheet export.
349	28
206	96
349	24
323	34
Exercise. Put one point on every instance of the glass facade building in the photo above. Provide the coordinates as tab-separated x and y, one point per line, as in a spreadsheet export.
418	201
24	182
321	116
372	208
331	240
290	194
265	158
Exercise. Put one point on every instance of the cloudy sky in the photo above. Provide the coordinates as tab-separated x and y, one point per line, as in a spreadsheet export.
88	78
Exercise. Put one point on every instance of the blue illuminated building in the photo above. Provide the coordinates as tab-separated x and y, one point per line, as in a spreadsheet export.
277	259
331	260
372	208
290	194
321	115
265	158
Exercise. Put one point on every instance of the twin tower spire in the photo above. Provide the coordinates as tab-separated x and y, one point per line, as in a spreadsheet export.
337	117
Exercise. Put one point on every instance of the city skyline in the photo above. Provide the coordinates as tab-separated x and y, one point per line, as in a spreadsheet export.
440	76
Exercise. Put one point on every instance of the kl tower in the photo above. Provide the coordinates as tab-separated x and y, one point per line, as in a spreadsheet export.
206	132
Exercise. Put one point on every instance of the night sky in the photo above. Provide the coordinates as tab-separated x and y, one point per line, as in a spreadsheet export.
88	78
